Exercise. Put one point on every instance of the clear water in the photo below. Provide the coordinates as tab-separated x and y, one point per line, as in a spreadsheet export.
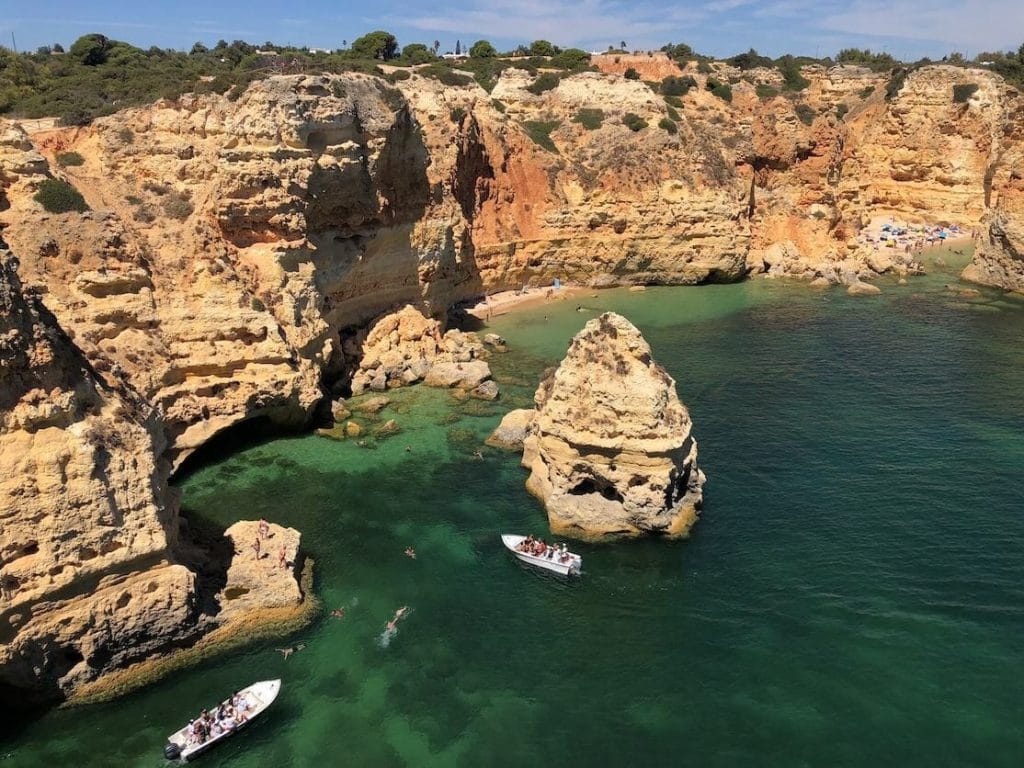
853	594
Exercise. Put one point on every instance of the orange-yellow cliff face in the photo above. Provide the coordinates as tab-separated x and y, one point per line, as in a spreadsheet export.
231	246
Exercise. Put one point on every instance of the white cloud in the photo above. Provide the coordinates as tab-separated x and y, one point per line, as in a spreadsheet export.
971	25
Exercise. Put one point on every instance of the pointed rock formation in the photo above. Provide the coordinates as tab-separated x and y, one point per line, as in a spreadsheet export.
610	452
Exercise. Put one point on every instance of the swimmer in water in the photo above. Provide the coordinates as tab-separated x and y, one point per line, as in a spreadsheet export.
338	613
410	553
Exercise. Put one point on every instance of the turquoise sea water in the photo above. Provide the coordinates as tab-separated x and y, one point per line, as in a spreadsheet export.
853	594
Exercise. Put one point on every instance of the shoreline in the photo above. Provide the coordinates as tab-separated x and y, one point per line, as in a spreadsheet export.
503	302
268	624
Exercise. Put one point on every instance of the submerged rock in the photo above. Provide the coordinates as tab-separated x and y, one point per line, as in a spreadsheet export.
863	289
610	452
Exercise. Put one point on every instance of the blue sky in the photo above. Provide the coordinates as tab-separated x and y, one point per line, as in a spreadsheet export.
906	28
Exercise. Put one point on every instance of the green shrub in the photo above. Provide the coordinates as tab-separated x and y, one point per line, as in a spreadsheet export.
498	105
806	113
482	49
444	74
126	136
417	53
895	84
457	115
793	79
766	92
672	114
257	304
841	110
634	122
540	132
571	59
156	187
545	82
879	62
58	196
674	101
133	200
667	125
590	119
177	207
963	92
677	86
632	74
866	92
704	68
399	74
721	90
73	158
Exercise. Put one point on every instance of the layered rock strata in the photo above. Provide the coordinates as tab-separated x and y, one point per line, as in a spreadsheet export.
90	570
610	450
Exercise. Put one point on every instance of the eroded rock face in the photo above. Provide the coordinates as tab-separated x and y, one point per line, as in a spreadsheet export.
999	257
264	581
86	516
406	347
610	451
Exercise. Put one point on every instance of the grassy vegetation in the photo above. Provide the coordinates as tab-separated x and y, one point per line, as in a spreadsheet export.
963	92
58	196
806	113
766	92
457	115
721	90
545	82
674	101
591	119
668	125
677	86
672	114
867	92
634	122
540	131
178	207
70	159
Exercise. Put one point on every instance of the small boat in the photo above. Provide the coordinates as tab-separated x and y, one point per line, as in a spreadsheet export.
183	746
567	567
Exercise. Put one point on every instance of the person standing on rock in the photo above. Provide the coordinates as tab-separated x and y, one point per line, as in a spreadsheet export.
256	547
264	529
282	558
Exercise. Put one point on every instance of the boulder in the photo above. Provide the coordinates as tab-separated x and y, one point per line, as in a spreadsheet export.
858	288
486	390
462	375
388	428
340	411
374	404
611	452
496	342
352	429
513	429
260	582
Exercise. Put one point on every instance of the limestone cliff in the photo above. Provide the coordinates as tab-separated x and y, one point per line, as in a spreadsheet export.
87	517
610	451
999	258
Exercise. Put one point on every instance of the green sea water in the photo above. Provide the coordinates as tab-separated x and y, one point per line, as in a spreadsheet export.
853	594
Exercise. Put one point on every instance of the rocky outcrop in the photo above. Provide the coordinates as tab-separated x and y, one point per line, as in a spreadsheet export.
263	581
513	429
999	255
90	567
610	451
406	347
88	520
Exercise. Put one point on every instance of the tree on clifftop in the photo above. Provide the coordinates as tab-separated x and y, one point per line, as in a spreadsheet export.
418	53
541	48
376	45
482	49
91	50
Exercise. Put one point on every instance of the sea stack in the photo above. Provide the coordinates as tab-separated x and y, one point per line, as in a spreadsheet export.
610	451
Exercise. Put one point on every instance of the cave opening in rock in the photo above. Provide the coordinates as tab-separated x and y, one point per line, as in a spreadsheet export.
597	485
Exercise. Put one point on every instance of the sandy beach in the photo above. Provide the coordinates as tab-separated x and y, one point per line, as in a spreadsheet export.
505	301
